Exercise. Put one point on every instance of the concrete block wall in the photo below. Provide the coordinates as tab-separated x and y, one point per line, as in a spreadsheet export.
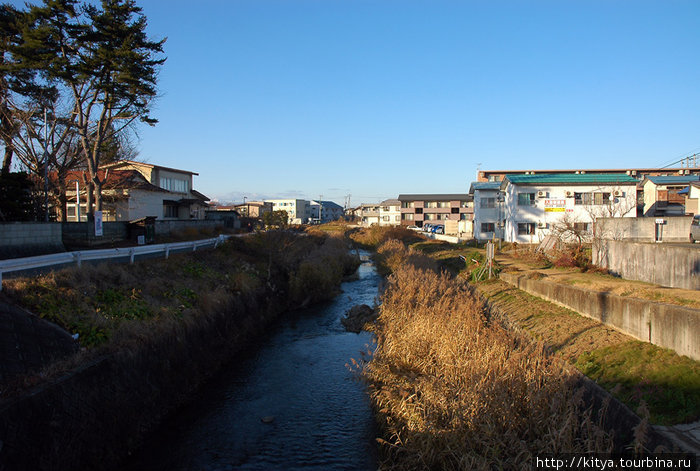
166	227
666	265
675	228
665	325
22	239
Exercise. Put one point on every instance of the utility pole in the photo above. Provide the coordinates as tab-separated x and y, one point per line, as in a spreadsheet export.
320	208
46	169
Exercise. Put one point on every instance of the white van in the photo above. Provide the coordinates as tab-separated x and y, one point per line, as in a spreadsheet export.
695	229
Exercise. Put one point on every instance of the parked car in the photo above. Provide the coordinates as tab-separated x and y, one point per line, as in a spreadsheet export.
695	229
413	228
439	229
427	227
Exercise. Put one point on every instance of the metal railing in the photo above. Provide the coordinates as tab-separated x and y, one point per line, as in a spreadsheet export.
79	256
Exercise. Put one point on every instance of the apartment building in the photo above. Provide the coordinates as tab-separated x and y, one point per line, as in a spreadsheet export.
534	204
417	209
298	210
325	211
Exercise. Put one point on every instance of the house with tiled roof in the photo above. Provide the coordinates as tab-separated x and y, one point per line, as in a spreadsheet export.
133	190
534	205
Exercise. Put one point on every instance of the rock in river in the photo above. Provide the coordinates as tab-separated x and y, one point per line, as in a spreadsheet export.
357	317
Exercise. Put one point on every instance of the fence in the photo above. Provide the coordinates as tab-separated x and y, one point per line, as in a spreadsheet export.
79	256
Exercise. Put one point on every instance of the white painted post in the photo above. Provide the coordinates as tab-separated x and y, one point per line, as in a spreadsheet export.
167	251
131	256
78	261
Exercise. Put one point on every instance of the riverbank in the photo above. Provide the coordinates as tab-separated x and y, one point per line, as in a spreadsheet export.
441	390
151	334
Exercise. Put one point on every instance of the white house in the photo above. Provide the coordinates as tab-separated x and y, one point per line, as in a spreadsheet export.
390	212
298	210
534	205
488	210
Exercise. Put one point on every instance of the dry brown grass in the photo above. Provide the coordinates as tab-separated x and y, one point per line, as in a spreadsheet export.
454	390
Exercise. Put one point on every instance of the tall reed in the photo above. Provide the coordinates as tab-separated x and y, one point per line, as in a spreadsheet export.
454	390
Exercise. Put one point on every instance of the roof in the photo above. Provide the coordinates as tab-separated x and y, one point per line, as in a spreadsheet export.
673	179
116	180
390	202
484	186
435	197
144	164
571	179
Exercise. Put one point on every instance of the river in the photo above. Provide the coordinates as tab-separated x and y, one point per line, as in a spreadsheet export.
287	403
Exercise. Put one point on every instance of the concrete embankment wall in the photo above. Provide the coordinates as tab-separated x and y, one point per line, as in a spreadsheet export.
665	325
666	265
93	417
22	239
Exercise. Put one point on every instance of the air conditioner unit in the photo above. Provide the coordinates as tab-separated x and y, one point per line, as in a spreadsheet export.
569	194
542	225
617	193
541	194
687	172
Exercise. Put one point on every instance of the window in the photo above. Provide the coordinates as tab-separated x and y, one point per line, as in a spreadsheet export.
407	216
454	210
398	218
444	204
385	218
431	204
464	204
488	202
407	204
581	226
173	184
429	217
488	227
583	198
169	210
526	228
419	210
601	198
526	199
464	217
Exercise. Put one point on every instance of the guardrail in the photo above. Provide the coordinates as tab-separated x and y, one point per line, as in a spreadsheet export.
79	256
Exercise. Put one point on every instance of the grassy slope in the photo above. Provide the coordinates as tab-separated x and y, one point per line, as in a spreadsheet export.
631	370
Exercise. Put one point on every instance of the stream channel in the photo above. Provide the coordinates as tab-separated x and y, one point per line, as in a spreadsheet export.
287	403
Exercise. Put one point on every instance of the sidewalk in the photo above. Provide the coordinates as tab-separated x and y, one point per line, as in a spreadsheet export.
27	342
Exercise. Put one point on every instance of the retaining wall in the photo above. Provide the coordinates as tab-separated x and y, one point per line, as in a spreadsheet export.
643	229
665	325
674	266
82	234
24	239
94	417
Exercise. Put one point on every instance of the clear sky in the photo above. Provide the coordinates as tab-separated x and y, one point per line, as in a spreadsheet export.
301	98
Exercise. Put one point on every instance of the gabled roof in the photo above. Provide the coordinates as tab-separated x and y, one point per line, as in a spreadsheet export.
122	163
116	180
672	179
480	186
571	179
391	202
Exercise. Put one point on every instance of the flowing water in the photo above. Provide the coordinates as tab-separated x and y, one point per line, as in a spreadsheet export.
289	403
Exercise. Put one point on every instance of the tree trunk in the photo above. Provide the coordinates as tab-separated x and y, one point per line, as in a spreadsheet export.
7	159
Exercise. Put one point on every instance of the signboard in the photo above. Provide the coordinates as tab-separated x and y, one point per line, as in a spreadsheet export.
660	221
98	223
555	206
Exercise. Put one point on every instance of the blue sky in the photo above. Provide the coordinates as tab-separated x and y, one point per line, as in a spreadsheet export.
375	98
